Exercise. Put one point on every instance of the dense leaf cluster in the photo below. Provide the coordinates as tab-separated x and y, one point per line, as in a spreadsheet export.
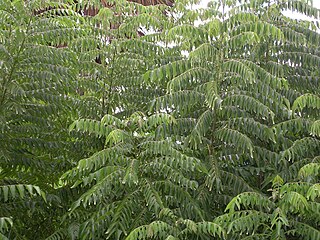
129	120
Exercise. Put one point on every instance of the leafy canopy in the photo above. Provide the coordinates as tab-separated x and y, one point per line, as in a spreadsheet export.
130	120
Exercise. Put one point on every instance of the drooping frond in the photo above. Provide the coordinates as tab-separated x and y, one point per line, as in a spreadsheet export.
249	200
307	100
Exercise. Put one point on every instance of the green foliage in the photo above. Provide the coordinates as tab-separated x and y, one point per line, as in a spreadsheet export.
131	120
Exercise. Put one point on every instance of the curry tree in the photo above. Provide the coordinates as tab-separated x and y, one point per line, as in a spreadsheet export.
251	116
237	111
125	121
51	75
35	77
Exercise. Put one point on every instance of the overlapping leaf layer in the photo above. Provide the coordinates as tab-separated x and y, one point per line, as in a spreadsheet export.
130	120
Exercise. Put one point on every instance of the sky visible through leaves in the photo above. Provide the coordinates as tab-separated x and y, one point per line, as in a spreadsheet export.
316	4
